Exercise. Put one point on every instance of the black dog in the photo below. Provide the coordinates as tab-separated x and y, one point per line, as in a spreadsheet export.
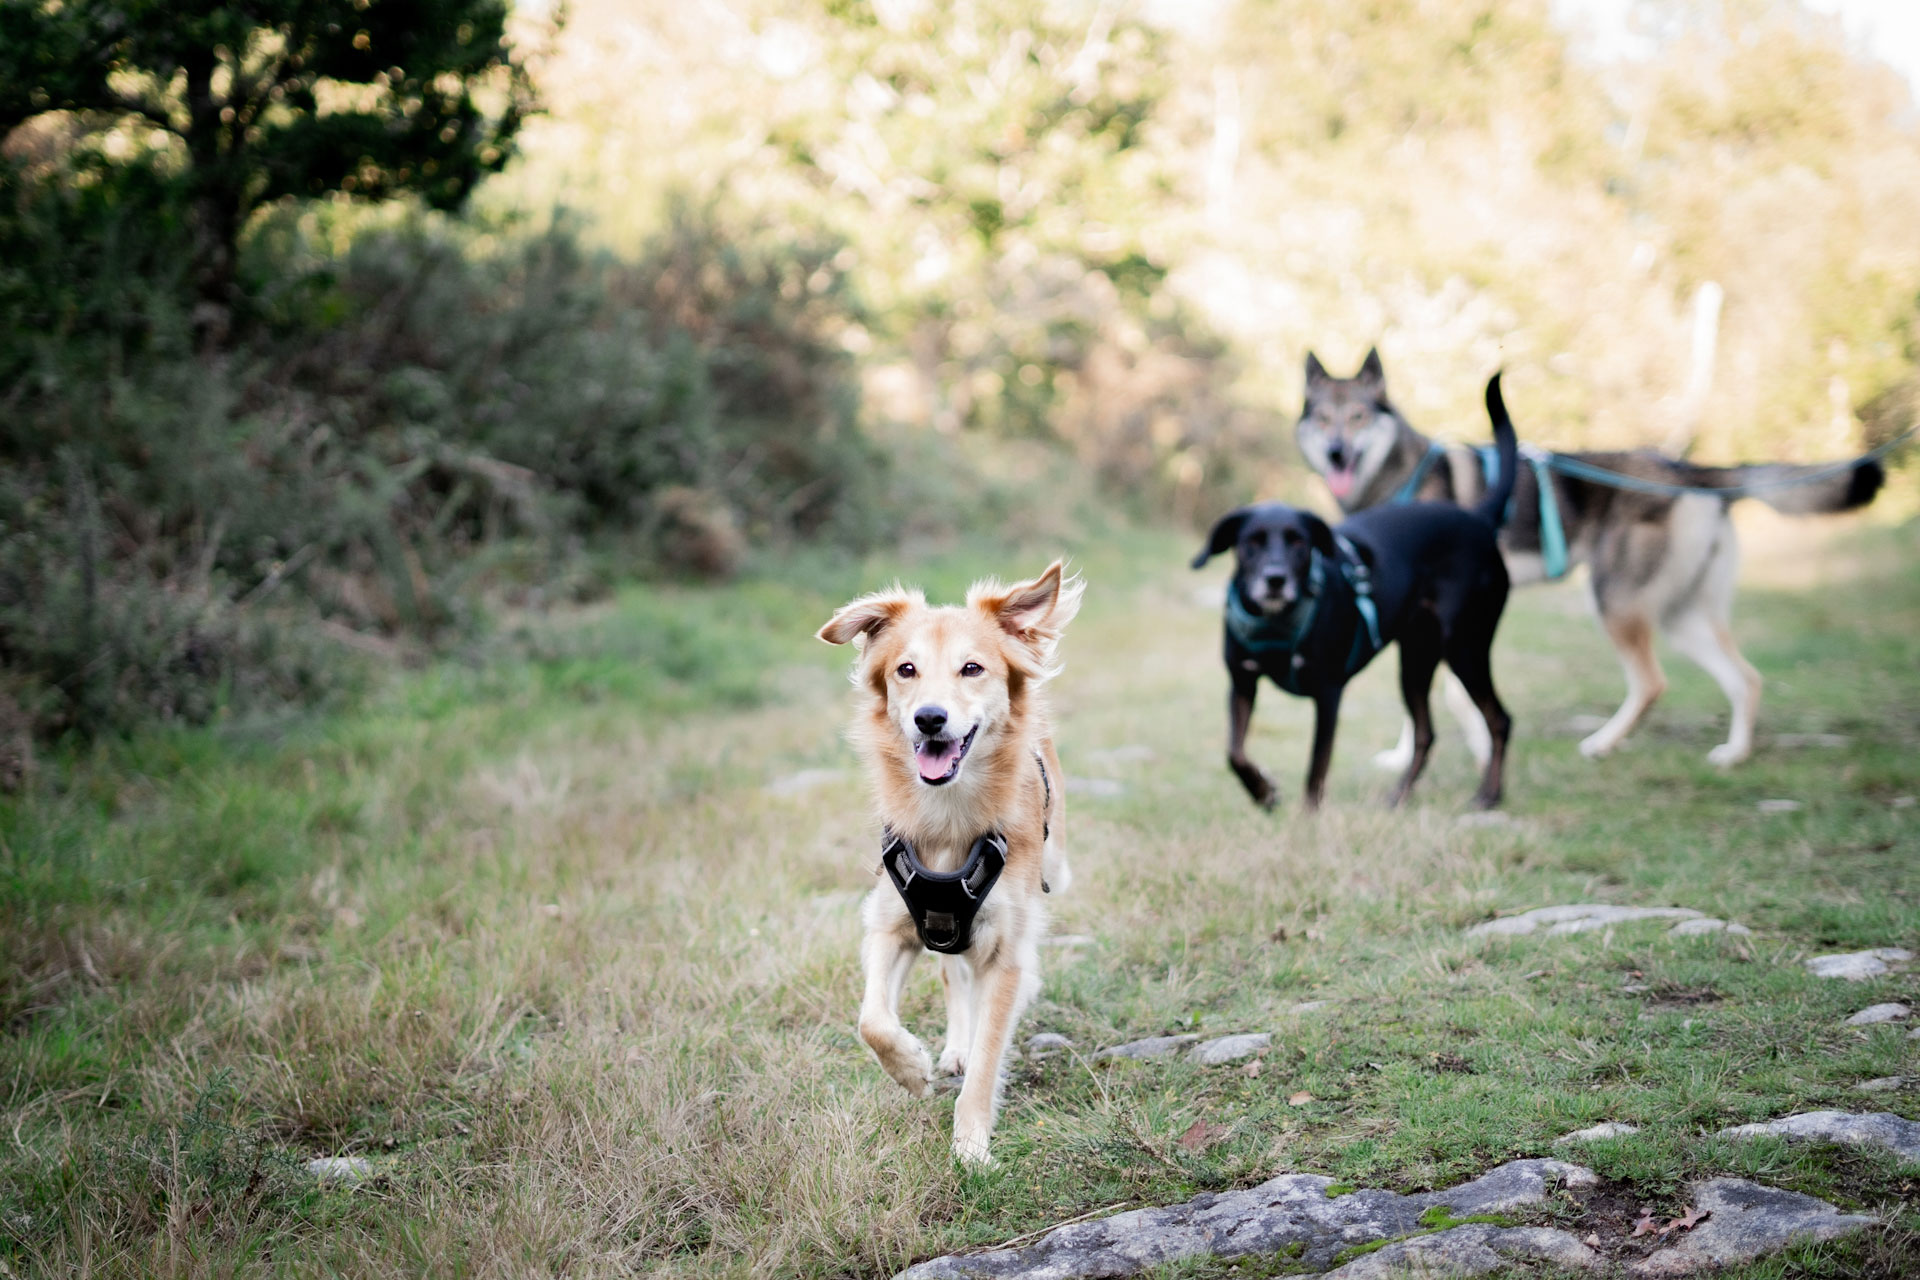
1310	606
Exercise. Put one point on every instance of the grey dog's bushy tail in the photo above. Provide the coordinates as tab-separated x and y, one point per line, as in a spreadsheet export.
1827	488
1493	506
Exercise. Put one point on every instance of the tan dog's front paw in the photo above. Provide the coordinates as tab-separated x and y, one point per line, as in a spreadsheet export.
911	1068
970	1148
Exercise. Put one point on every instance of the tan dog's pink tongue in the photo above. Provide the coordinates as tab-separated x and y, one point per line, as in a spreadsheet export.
936	758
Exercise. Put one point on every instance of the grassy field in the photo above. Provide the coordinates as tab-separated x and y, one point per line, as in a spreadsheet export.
538	935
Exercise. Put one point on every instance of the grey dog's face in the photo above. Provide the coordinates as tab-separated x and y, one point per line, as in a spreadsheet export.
1347	428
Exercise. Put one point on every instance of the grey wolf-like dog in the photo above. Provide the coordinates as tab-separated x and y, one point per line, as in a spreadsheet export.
1657	563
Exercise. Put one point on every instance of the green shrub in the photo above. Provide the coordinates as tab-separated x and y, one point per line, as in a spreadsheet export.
436	411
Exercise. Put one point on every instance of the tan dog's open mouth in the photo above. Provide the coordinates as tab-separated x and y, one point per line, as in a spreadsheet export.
939	758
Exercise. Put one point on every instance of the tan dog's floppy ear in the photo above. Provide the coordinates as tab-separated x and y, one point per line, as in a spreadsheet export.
1036	612
868	615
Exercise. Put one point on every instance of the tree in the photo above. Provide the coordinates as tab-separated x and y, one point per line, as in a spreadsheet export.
250	104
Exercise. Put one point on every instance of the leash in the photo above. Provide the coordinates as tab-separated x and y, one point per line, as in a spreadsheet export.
1412	486
1567	465
1555	556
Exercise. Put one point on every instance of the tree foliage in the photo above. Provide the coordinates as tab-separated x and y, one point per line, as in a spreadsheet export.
243	105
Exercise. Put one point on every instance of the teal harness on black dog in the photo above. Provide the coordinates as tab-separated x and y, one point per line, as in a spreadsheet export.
1283	632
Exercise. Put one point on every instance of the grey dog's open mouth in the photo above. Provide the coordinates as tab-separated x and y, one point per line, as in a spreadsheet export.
939	758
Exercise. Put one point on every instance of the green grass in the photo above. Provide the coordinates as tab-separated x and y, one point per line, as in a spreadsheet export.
530	933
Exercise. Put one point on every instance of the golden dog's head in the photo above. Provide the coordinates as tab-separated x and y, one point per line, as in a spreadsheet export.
953	683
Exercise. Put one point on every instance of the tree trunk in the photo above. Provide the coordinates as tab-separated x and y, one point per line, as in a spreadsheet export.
213	208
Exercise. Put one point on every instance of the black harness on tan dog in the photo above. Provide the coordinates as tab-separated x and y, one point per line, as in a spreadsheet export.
943	904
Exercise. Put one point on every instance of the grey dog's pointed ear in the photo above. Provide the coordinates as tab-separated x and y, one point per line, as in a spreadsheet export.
1371	370
1226	532
1316	372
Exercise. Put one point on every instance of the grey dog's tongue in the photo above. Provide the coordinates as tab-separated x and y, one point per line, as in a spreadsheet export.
936	756
1341	482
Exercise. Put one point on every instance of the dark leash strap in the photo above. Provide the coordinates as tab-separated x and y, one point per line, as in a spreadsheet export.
1046	812
943	904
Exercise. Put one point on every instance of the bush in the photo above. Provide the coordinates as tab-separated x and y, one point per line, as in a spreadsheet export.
436	411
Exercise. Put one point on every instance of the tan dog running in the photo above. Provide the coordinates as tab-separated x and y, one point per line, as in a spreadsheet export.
953	730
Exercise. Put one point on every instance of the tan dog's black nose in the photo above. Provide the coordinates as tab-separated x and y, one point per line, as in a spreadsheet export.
930	720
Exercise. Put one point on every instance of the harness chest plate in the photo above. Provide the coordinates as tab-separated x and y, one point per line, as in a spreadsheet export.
943	904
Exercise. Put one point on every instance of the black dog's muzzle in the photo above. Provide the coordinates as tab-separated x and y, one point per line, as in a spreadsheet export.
943	904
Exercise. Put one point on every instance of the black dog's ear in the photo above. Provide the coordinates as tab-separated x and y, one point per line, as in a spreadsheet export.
1319	535
1226	532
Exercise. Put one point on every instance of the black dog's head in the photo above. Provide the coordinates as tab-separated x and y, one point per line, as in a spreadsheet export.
1273	548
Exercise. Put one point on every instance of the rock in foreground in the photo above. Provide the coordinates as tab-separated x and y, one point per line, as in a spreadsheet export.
1578	917
1289	1215
1748	1221
1876	1129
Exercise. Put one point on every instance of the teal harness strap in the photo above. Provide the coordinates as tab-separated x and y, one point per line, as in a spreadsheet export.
1554	555
1276	632
1362	580
1411	488
1282	633
1553	534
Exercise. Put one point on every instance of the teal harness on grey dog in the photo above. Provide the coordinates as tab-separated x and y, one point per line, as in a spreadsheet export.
1554	556
1265	634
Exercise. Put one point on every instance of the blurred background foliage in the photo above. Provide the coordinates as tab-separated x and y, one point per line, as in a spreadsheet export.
863	273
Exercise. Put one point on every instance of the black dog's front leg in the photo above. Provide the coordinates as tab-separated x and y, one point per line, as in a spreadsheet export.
1239	718
1326	718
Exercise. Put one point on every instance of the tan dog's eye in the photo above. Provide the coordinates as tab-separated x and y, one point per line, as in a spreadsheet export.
973	669
905	671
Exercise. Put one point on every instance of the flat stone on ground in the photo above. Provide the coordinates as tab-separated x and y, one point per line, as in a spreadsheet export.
1578	918
1779	806
1102	788
1046	1044
1857	966
1131	753
1811	740
1707	924
1224	1049
1309	1006
1289	1213
1605	1129
794	784
1748	1220
1884	1084
1891	1012
1487	818
346	1170
1477	1249
1148	1050
1876	1129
